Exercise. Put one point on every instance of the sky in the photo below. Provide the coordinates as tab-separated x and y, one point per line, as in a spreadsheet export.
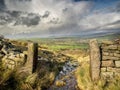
62	17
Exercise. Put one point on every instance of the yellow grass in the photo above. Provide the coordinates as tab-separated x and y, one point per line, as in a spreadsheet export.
85	83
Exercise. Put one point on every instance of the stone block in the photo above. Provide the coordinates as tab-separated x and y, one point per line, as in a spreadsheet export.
11	62
110	47
12	57
105	53
118	47
108	75
11	67
25	52
17	59
110	58
117	70
18	55
5	61
117	63
22	55
117	74
107	42
117	55
111	54
117	51
111	69
103	69
108	64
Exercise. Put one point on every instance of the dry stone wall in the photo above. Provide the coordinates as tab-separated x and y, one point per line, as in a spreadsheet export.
105	59
110	61
12	60
10	56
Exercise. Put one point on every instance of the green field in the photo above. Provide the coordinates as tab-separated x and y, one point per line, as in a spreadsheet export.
69	43
57	44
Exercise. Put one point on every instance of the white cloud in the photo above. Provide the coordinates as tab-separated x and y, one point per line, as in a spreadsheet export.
100	21
64	12
65	17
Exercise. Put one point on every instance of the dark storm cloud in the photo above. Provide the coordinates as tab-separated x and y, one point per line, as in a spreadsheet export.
2	4
118	7
57	17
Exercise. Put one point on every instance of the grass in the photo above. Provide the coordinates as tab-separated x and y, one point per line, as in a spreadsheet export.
85	83
48	70
59	44
60	83
59	47
18	79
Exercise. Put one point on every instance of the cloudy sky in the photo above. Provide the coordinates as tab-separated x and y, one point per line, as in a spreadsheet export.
60	17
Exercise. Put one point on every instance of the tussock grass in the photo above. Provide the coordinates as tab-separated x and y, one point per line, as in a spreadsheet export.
85	83
60	83
15	80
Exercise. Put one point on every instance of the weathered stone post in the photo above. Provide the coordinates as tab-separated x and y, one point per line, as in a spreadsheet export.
94	60
31	63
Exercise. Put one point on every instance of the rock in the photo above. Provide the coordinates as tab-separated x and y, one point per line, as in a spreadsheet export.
119	47
108	64
110	69
22	55
117	41
64	68
12	57
4	50
11	62
118	52
110	58
107	42
61	72
117	55
110	47
111	54
103	69
117	74
117	63
75	64
25	52
108	75
2	54
105	53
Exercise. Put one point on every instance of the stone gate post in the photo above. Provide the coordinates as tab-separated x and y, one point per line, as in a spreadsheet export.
32	57
94	60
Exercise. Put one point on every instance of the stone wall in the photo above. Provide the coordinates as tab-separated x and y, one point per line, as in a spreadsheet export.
107	63
13	60
110	59
10	55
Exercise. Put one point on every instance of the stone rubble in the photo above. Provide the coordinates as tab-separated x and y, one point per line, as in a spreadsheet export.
10	56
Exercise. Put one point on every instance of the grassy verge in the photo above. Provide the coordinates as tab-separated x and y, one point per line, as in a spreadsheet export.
85	83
